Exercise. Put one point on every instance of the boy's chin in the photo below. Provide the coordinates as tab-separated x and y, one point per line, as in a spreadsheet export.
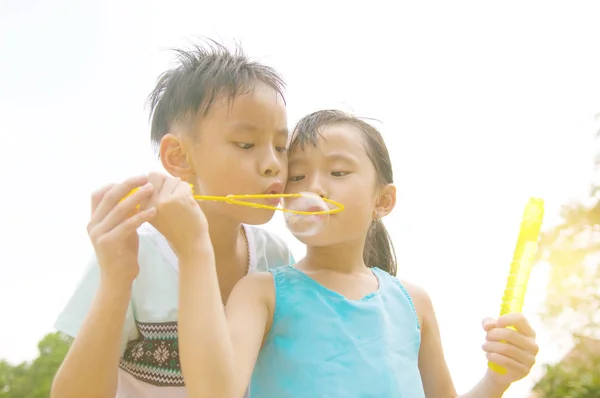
256	216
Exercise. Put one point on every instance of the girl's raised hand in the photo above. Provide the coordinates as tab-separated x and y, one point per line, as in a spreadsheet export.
514	350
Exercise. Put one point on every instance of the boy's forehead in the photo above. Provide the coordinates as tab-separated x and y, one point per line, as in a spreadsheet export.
253	109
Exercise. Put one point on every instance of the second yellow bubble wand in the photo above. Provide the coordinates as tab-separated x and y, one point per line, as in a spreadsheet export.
521	264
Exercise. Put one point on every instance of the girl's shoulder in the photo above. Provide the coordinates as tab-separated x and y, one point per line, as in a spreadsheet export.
417	295
421	300
257	288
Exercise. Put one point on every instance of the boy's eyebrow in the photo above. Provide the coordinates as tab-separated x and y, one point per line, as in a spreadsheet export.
251	127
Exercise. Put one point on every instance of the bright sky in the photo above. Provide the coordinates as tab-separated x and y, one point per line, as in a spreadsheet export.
483	104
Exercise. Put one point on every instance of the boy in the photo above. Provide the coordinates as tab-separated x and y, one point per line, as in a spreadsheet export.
219	122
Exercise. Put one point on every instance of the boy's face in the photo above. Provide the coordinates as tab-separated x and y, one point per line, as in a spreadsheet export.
239	147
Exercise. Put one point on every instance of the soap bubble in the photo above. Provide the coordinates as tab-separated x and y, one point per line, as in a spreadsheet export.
305	224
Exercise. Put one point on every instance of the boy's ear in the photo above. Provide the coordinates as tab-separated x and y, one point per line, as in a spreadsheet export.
385	202
174	157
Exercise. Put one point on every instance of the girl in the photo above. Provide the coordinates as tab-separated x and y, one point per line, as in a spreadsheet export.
337	323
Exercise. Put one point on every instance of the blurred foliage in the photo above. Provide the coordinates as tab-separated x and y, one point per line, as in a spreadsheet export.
576	376
572	249
33	380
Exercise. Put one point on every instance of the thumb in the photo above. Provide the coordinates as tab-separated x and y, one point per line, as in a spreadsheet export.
488	324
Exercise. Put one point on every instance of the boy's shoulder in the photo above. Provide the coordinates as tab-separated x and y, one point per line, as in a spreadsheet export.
268	249
154	249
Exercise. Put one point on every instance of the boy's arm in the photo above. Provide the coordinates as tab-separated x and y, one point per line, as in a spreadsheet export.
218	349
100	319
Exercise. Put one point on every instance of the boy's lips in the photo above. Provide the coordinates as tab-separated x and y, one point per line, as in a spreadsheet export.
274	189
273	201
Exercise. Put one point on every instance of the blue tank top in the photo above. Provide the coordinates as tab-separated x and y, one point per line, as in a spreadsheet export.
322	345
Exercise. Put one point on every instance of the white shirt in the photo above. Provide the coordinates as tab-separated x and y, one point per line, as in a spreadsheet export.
149	367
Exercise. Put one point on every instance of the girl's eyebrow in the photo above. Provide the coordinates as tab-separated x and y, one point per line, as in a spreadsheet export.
332	157
342	156
296	160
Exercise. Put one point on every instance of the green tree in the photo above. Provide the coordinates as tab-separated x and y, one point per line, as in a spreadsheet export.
33	380
576	376
572	249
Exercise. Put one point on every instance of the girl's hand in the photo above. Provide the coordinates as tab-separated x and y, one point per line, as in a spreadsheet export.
514	350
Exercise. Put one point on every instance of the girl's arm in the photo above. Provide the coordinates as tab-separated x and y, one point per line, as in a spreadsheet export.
517	354
218	348
435	375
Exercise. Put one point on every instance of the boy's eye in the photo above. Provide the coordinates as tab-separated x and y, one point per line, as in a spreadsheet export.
295	178
339	173
244	145
281	149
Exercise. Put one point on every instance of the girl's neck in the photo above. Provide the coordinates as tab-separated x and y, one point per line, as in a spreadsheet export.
346	257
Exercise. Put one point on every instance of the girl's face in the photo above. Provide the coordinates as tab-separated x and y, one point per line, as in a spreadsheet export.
339	168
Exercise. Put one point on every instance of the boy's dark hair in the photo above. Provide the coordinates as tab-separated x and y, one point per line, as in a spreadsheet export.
202	75
379	249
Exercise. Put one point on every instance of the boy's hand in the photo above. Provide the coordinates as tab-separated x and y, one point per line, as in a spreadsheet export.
514	350
113	227
178	216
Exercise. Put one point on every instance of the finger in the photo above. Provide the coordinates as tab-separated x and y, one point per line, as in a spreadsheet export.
130	225
114	195
157	180
171	185
509	364
98	195
184	188
488	324
121	212
509	351
518	321
513	337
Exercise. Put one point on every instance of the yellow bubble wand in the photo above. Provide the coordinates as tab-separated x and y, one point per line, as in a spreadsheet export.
522	262
242	200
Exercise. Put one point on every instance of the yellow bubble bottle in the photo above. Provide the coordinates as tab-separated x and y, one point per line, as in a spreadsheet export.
522	262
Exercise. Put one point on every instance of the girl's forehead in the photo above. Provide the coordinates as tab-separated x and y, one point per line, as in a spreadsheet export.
336	138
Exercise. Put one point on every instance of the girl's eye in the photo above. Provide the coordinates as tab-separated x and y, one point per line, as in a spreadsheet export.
281	149
244	145
295	178
339	173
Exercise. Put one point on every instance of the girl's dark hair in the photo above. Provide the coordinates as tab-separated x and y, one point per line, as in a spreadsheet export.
379	250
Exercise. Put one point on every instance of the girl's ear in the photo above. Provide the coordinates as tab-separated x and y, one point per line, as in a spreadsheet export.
385	202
